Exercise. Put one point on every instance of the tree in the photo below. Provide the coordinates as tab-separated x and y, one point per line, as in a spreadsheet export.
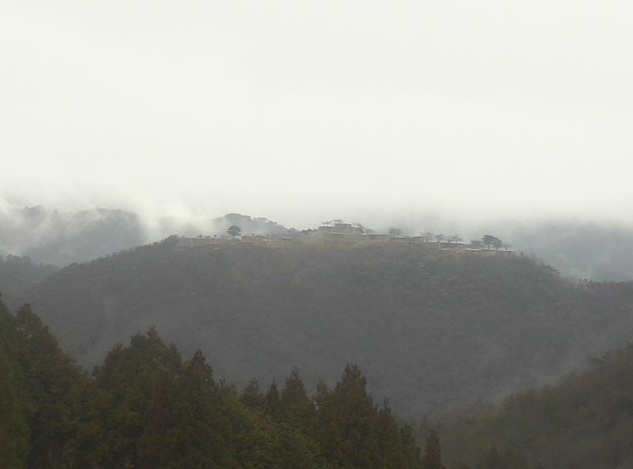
297	408
53	393
252	397
183	428
433	453
454	239
345	425
354	433
234	231
131	377
272	402
14	406
491	241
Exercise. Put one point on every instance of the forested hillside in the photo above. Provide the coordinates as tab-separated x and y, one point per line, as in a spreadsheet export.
586	422
147	407
434	330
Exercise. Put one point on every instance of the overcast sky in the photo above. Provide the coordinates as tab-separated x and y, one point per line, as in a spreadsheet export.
306	110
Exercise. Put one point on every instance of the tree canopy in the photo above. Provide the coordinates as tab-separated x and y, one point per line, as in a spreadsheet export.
146	407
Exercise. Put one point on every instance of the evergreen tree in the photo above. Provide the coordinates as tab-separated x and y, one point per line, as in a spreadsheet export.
322	393
272	404
252	397
346	423
130	376
45	399
390	455
14	429
182	427
410	449
433	453
297	408
58	392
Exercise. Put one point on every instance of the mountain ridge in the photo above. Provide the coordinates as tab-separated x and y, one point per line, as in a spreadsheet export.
480	326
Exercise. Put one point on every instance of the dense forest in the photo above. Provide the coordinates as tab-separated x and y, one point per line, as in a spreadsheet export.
585	422
147	407
477	325
441	332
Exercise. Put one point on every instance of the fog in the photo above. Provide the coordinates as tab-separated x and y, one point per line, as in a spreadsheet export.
444	115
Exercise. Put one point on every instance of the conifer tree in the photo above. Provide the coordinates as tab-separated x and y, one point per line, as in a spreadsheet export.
14	430
252	397
297	408
410	449
346	423
273	402
433	453
129	378
58	392
390	455
182	427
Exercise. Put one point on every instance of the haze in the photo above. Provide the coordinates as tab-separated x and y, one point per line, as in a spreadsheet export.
311	110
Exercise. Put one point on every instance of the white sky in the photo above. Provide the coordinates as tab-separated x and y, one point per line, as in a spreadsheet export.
306	110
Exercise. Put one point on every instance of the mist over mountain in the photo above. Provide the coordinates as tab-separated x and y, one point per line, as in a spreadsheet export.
474	161
59	238
435	329
579	249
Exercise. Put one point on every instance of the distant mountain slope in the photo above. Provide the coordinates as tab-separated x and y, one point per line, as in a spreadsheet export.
434	330
18	273
586	422
584	250
60	238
